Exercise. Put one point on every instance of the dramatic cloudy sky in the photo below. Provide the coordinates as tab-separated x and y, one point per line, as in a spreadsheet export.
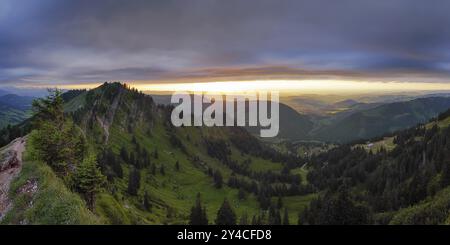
80	42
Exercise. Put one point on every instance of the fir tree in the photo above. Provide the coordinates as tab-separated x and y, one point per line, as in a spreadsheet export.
445	179
147	205
155	154
218	180
244	219
286	217
254	220
88	180
242	194
226	214
134	182
280	202
198	213
56	140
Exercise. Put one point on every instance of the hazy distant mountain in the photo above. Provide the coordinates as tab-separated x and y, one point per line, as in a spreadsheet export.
346	103
14	109
382	119
16	101
11	116
293	125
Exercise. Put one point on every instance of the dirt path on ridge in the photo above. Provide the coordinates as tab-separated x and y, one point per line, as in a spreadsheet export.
10	167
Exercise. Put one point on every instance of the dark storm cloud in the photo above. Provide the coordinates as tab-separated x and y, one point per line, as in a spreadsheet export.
86	41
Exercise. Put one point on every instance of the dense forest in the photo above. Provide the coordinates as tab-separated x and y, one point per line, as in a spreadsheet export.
404	185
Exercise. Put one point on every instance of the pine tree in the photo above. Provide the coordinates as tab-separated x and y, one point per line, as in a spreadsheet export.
162	171
218	180
56	140
147	205
242	194
198	213
134	182
280	202
177	166
271	215
155	154
445	179
254	220
277	217
124	154
286	217
226	214
244	219
132	159
88	180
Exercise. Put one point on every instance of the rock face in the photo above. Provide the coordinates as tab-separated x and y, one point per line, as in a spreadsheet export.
10	166
10	161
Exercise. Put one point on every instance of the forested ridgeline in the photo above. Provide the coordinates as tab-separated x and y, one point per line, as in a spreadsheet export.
406	185
117	150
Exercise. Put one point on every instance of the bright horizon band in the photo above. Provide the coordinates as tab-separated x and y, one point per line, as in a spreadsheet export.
283	86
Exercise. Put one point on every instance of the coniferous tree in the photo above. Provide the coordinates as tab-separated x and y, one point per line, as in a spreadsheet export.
254	220
146	203
177	166
198	213
226	214
244	219
445	179
56	140
88	180
242	195
277	217
134	182
286	217
271	215
218	180
280	202
132	159
124	154
162	171
155	154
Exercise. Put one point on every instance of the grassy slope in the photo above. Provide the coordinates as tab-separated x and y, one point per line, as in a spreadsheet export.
174	193
11	116
177	190
387	143
52	203
171	195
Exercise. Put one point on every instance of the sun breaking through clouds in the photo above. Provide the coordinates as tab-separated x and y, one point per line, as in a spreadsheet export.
77	43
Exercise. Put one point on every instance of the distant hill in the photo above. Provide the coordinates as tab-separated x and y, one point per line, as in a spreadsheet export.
14	109
17	101
293	125
383	119
346	103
